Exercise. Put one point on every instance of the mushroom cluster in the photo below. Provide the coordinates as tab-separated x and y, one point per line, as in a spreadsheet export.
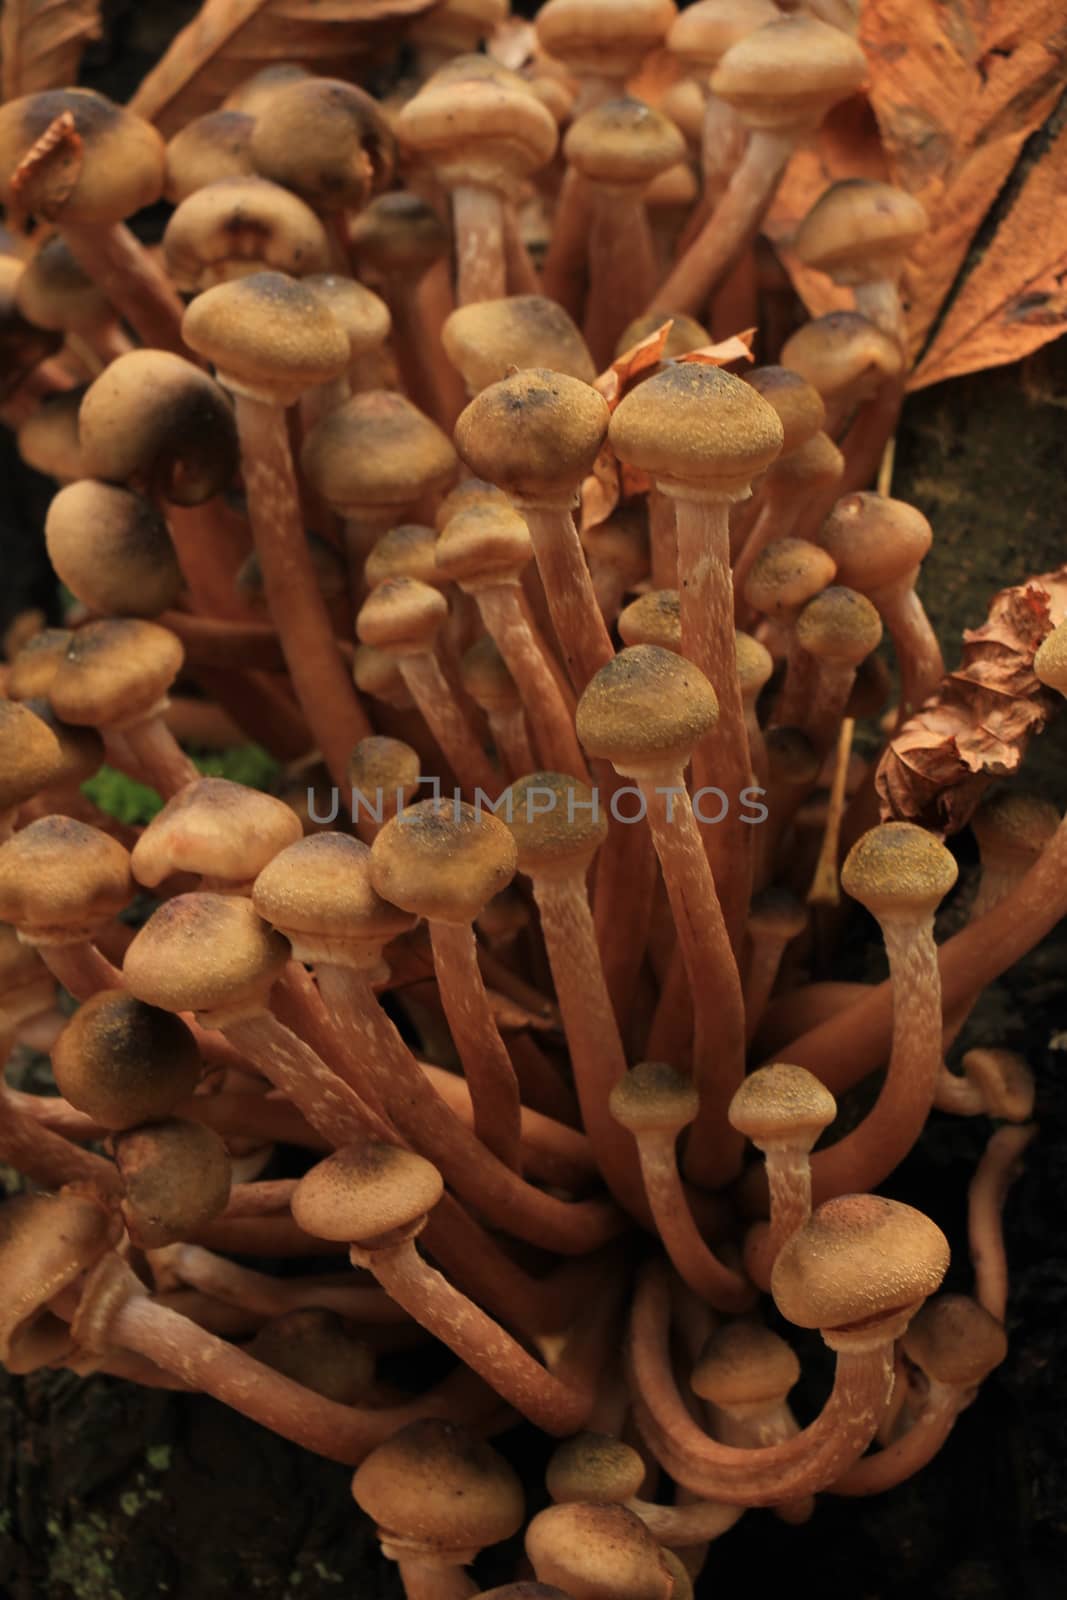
523	1002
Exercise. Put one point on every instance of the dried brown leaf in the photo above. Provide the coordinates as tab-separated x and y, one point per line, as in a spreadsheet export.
230	40
978	725
41	43
1015	300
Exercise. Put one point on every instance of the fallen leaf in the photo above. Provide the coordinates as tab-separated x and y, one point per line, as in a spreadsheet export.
977	726
47	175
957	87
41	43
231	40
1015	300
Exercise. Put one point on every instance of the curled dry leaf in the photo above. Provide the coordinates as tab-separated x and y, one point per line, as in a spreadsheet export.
41	43
46	176
231	40
611	480
978	725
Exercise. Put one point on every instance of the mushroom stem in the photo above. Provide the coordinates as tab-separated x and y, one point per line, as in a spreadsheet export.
428	1580
329	1104
45	1157
572	603
1001	1164
622	266
682	1525
267	1296
564	271
80	968
158	753
481	264
914	643
908	1454
696	1264
319	675
551	717
511	739
486	1064
437	705
137	288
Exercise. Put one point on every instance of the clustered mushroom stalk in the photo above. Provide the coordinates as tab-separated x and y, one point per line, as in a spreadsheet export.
505	1029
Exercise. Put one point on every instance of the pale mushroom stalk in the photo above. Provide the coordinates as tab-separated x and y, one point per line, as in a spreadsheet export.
550	714
572	603
775	919
1000	1166
490	685
269	1296
481	268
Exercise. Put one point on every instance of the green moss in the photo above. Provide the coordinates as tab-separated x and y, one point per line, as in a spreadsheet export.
135	804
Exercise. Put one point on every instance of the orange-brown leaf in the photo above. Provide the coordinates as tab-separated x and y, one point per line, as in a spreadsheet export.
230	40
957	86
977	726
41	42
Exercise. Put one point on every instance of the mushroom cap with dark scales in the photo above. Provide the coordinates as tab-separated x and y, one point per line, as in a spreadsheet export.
46	1242
654	1098
697	427
860	1258
475	122
603	37
239	226
321	887
115	672
328	141
364	1192
955	1340
363	315
377	450
646	706
840	625
30	757
398	234
121	166
875	540
1050	661
535	434
82	749
598	1551
437	1487
123	1062
787	574
755	664
486	340
175	1178
217	829
401	615
268	336
624	142
744	1364
595	1468
468	492
860	230
483	542
155	420
653	618
843	354
782	1104
787	74
798	403
216	145
204	952
55	291
443	860
898	870
112	549
383	767
556	822
59	876
407	551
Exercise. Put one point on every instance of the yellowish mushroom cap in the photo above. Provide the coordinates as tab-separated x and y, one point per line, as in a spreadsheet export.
398	234
366	1192
477	124
268	336
123	1062
46	1242
326	140
704	32
686	333
860	230
798	403
1013	826
115	673
899	872
840	626
488	339
235	227
30	757
34	665
407	551
402	615
743	1364
112	549
608	38
209	953
216	829
487	677
646	707
55	291
623	142
485	544
654	1098
598	1552
653	618
216	145
787	74
443	860
786	575
377	451
782	1106
556	822
595	1468
48	439
844	355
319	894
1050	661
363	315
535	434
61	879
121	162
955	1341
875	541
175	1178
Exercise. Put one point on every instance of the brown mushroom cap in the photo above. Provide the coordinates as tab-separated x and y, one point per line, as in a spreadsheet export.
121	161
205	952
874	540
175	1177
777	914
377	450
123	1062
524	1590
486	340
399	234
787	74
54	291
60	879
955	1340
46	1242
654	1098
608	38
34	666
112	549
815	464
556	822
485	544
595	1468
48	439
385	771
468	492
214	828
475	122
620	544
899	871
216	145
318	1349
653	618
755	664
839	625
326	140
319	894
744	1364
366	1192
860	231
843	354
30	757
786	575
487	678
443	860
363	315
402	615
269	337
686	333
1050	661
623	142
239	226
437	1488
81	749
156	421
860	1259
697	427
115	672
598	1553
1013	826
783	1106
406	551
798	403
377	673
255	95
646	706
535	434
457	25
704	32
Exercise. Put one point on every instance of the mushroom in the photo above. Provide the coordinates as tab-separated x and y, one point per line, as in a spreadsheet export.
112	550
439	1495
47	1241
488	340
603	42
1012	827
488	681
364	316
55	292
223	832
847	357
48	438
645	712
776	503
601	1552
1000	1166
617	550
385	775
123	1062
175	1178
34	664
835	631
272	340
119	169
234	227
775	918
860	233
32	760
215	145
